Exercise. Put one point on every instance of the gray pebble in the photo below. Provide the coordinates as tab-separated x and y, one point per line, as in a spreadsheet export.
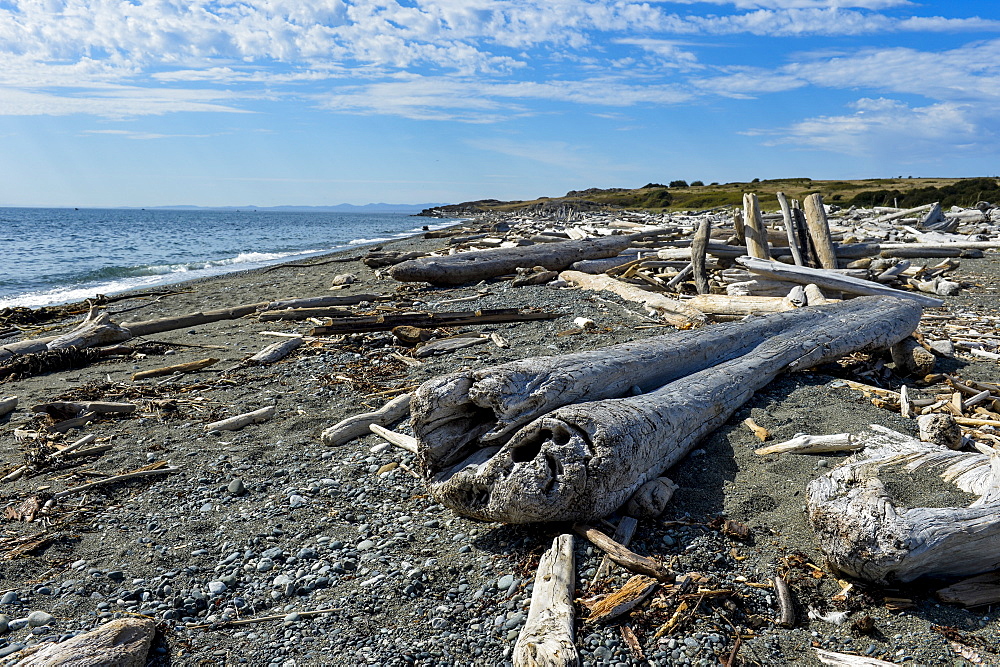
10	597
236	487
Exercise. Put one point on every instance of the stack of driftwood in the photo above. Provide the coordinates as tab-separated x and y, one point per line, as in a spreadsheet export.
578	436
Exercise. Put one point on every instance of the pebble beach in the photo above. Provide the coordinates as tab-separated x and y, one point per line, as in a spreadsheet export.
268	547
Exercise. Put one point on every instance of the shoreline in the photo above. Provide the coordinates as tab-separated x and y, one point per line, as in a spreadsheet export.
347	528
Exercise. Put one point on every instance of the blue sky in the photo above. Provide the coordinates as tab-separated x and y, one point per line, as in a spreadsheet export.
118	103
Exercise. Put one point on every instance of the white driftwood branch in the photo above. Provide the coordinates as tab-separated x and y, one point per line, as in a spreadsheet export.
401	440
831	280
239	421
547	637
813	444
864	535
670	310
358	425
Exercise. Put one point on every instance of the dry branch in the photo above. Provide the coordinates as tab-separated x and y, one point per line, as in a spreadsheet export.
358	425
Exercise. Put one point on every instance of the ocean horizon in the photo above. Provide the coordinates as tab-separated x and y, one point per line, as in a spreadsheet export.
62	255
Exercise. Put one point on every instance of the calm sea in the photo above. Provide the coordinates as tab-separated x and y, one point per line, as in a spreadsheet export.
52	256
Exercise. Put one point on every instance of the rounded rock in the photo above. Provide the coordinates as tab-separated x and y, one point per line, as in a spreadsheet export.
39	618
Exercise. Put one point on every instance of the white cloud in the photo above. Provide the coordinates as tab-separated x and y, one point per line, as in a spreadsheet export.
799	4
887	127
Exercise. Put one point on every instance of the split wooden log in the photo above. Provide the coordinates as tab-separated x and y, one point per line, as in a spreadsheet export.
446	345
819	231
865	535
359	425
756	234
245	419
830	280
635	591
468	267
276	351
670	310
583	460
7	405
188	367
546	640
124	642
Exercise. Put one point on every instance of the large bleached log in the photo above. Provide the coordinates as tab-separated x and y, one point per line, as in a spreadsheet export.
96	330
670	310
547	637
865	535
584	460
468	267
123	642
725	304
831	280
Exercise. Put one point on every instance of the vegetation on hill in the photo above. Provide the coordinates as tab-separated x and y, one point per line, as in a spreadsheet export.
696	196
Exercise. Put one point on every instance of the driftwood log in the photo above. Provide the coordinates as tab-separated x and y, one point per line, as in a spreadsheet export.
865	535
547	637
359	425
581	461
670	310
469	267
124	642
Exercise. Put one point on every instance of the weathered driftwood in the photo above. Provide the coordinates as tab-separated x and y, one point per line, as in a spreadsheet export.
546	640
7	405
786	214
786	604
625	599
975	591
276	351
624	556
864	535
584	460
445	345
467	267
174	322
291	314
188	367
725	304
401	440
699	245
624	532
849	659
650	500
830	280
123	642
812	444
429	320
239	421
819	231
113	479
320	301
358	425
670	310
756	233
96	330
63	409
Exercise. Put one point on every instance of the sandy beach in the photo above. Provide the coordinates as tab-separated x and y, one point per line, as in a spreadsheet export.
268	521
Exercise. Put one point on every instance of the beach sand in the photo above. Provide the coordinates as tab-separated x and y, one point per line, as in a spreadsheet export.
340	528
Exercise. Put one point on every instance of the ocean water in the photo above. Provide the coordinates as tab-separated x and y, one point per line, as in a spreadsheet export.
53	256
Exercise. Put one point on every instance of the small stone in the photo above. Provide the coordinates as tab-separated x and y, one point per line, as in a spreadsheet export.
4	620
207	507
504	582
366	545
116	575
10	597
439	623
216	587
296	500
265	565
294	617
17	624
236	487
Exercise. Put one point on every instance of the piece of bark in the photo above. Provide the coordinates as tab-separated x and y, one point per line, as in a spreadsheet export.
865	535
786	604
756	235
830	280
429	320
812	444
358	425
699	244
635	591
468	267
623	535
786	215
940	429
276	351
583	461
546	640
623	556
188	367
670	310
975	591
819	231
8	405
239	421
123	642
650	500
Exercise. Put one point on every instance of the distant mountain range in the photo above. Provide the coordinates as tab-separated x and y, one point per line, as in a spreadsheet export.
339	208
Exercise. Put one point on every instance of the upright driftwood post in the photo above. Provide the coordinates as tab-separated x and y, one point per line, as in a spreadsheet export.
584	460
793	243
699	244
756	233
819	231
547	637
